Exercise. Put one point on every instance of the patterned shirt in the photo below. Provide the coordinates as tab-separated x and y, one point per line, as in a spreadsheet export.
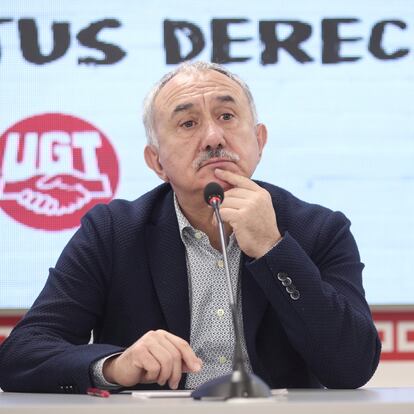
212	334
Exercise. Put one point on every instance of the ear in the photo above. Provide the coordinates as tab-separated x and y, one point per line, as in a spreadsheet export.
261	135
152	159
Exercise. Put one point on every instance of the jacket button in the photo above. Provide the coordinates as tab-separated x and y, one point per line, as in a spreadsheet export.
287	281
290	289
282	276
295	295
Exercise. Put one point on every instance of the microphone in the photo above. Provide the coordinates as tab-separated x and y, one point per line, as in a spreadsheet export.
240	383
213	193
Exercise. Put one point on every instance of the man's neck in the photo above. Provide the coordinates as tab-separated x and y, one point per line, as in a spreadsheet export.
201	217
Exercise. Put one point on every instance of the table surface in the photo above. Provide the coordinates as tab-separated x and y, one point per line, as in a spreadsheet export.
369	400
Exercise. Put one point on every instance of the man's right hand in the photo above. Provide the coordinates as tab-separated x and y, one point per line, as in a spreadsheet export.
158	356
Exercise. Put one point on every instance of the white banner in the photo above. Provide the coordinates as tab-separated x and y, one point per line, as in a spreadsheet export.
333	82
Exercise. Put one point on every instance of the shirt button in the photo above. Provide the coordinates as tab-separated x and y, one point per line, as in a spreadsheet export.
222	360
198	235
220	263
220	312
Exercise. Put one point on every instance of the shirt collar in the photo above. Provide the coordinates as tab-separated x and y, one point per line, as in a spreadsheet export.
185	226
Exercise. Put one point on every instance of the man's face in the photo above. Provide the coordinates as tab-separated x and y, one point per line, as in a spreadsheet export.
203	122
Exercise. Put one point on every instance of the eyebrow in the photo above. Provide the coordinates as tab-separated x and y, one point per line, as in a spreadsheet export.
226	98
182	107
186	106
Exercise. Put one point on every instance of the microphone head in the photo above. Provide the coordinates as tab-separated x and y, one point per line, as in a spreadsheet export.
213	192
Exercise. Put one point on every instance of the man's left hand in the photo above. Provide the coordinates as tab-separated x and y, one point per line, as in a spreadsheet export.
248	209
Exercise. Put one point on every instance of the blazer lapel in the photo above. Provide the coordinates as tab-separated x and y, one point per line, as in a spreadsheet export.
169	270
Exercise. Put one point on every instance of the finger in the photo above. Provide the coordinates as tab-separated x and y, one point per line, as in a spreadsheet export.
241	200
230	215
185	368
235	179
165	361
38	201
176	369
237	192
150	365
45	179
176	373
214	220
234	203
187	354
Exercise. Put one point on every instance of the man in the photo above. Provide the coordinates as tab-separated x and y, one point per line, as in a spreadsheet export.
148	279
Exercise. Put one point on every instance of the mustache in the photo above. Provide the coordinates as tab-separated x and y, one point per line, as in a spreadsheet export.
219	153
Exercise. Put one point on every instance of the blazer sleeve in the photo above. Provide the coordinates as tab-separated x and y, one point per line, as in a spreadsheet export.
319	299
49	350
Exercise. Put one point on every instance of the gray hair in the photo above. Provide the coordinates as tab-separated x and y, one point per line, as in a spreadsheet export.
186	67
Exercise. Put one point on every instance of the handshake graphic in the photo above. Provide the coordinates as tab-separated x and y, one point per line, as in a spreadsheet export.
55	195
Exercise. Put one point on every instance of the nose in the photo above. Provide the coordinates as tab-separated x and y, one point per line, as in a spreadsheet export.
213	136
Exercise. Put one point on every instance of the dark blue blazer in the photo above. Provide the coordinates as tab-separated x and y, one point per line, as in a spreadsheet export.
124	273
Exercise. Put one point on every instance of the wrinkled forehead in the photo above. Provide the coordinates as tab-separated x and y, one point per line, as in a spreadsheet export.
187	86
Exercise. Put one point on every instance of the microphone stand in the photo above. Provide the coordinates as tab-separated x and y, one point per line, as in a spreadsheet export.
240	383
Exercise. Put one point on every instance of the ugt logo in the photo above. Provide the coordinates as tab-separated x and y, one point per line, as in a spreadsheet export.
53	169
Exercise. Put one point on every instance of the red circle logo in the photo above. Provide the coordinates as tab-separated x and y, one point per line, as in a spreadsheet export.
53	169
